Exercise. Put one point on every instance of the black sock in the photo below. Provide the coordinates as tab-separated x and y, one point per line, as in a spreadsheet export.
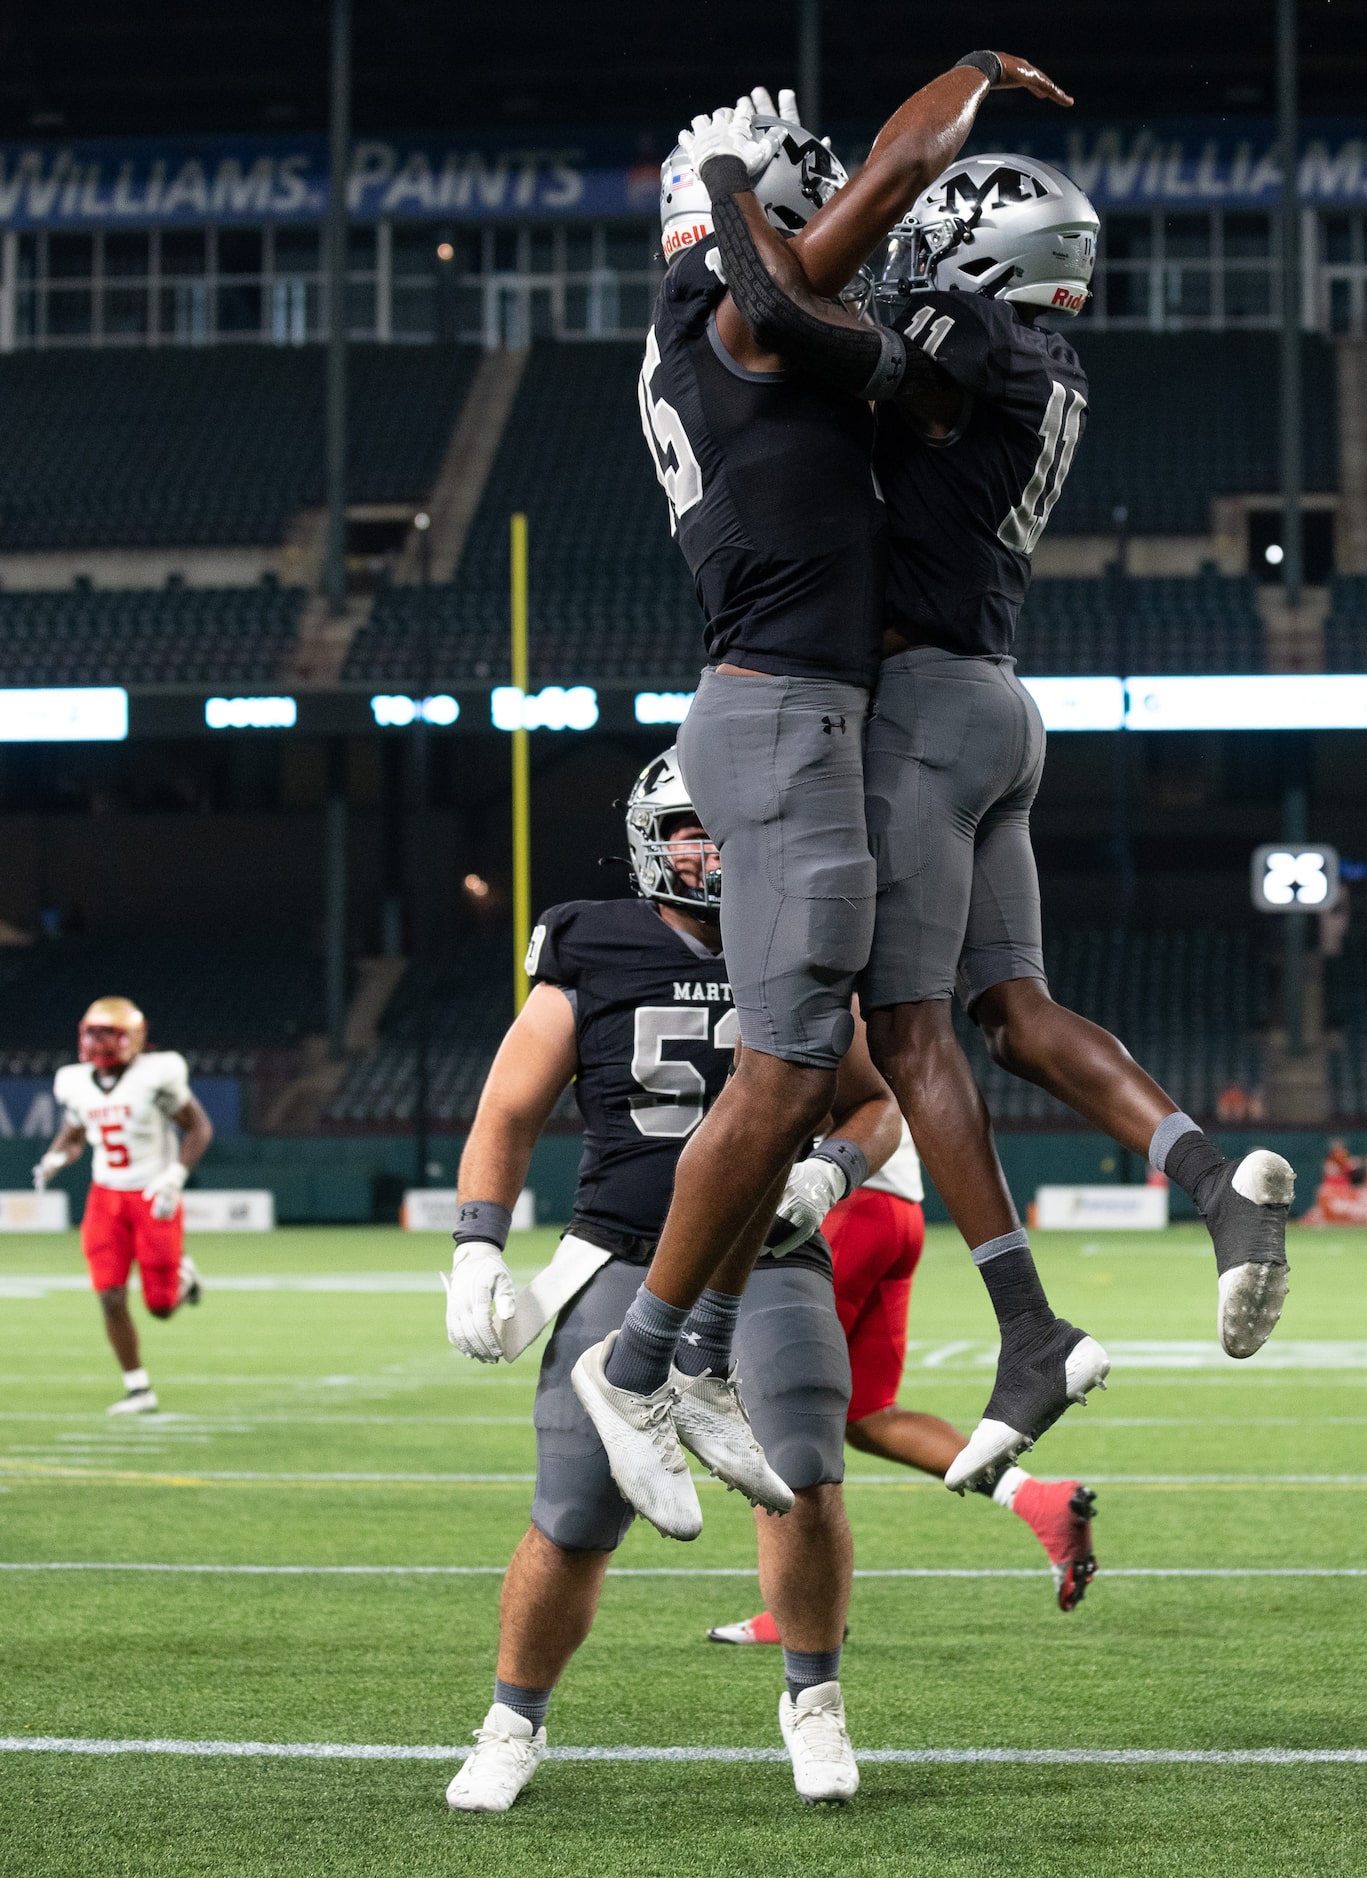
1008	1270
1193	1161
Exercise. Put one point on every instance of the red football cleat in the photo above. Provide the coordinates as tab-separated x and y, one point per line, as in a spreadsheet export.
761	1629
1059	1513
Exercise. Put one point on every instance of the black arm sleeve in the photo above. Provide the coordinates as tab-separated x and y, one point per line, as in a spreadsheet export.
866	361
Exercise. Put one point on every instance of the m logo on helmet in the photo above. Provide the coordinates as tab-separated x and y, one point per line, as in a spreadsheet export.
1009	185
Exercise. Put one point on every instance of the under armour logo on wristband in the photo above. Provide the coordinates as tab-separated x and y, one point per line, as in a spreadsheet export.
829	724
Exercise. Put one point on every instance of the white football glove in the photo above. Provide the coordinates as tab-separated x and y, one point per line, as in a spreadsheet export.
47	1169
730	132
787	105
164	1192
479	1290
813	1188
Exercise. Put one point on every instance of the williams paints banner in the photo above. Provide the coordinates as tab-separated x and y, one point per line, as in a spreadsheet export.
112	183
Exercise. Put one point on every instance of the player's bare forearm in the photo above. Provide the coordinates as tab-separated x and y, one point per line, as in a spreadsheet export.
910	151
196	1132
69	1141
534	1066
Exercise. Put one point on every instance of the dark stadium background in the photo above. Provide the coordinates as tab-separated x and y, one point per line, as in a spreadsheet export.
307	911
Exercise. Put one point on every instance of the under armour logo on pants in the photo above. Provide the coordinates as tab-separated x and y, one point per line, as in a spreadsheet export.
829	724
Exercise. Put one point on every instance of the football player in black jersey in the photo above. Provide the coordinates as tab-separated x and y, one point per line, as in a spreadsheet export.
777	510
632	1002
985	412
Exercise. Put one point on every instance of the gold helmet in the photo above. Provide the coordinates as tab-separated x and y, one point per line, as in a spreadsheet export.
113	1031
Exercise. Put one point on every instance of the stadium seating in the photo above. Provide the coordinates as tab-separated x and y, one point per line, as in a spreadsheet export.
209	447
1144	625
1345	1013
1144	986
1176	418
219	1005
470	992
1345	629
127	636
609	592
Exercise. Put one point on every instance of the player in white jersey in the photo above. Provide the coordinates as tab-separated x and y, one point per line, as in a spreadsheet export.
876	1235
128	1102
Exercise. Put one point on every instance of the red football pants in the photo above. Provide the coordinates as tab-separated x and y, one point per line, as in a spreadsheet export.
875	1240
116	1229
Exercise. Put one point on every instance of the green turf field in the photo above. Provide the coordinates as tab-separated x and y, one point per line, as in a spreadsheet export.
316	1417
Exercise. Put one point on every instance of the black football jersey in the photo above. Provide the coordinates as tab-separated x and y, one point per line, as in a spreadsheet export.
965	512
655	1034
771	493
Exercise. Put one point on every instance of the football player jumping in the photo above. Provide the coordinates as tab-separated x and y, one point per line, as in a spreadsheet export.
776	508
632	1002
127	1101
983	412
876	1236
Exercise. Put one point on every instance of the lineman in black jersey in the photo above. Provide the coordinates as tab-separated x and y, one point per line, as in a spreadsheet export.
631	1000
774	501
972	453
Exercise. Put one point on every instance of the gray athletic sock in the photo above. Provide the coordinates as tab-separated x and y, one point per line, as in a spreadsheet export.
531	1703
806	1669
705	1340
640	1358
1166	1136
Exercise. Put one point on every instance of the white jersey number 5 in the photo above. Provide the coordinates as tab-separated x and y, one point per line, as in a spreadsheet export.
675	464
676	1094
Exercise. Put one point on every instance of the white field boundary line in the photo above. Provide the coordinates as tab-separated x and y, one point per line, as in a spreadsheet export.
680	1571
943	1757
58	1470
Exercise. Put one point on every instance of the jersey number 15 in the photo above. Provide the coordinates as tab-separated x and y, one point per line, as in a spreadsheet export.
675	464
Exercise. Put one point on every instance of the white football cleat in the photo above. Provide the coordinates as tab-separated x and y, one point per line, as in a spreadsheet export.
814	1733
1246	1216
507	1752
191	1285
136	1402
992	1442
644	1456
713	1424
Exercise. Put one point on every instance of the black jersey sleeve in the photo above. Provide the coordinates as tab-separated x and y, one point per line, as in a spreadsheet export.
552	956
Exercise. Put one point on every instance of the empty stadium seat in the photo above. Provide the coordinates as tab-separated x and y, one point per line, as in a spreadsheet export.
1158	624
219	1005
131	636
610	595
1176	418
1345	628
210	447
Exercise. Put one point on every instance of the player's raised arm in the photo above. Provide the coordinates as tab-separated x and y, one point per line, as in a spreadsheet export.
534	1066
865	1129
915	144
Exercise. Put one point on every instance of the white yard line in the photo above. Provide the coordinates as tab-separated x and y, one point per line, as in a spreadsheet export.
677	1571
950	1757
37	1470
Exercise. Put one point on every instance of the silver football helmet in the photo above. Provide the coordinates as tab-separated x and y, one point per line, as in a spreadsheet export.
659	798
802	175
1008	226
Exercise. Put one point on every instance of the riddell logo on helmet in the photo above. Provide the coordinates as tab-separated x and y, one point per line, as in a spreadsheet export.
1065	297
680	238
